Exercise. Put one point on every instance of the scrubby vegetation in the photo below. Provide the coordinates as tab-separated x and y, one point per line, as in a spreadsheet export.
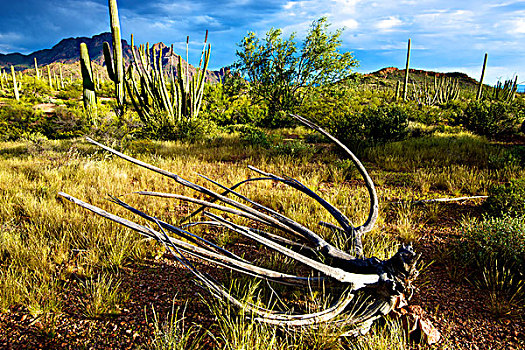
59	264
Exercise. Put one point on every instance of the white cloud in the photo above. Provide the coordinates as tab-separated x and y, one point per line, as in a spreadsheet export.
517	26
10	36
350	24
389	24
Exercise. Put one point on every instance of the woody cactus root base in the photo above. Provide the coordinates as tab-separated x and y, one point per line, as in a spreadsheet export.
368	288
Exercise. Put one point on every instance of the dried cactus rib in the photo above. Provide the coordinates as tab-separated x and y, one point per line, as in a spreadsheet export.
194	250
380	281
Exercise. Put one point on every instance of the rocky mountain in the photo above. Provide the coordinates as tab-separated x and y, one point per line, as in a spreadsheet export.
393	74
67	53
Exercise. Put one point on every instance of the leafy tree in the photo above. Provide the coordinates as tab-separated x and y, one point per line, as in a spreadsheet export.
280	74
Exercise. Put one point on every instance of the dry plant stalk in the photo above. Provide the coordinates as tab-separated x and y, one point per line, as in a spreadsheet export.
368	287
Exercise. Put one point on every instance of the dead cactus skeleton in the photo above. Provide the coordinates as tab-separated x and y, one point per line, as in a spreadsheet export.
368	286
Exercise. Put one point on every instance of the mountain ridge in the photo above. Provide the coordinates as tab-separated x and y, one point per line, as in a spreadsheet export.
67	52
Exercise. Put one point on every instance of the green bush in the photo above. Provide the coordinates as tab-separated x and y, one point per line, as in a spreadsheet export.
35	91
385	123
196	129
106	89
253	135
70	92
374	124
494	118
110	127
226	104
17	119
293	148
493	239
355	116
66	123
507	199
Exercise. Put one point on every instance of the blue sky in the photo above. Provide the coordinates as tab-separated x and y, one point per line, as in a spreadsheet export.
446	35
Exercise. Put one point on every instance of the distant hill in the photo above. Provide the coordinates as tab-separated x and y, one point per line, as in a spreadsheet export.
67	52
391	75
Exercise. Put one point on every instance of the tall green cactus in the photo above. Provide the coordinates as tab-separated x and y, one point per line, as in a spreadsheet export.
90	98
179	99
442	91
505	91
407	68
61	77
398	87
480	87
15	85
37	72
49	77
115	63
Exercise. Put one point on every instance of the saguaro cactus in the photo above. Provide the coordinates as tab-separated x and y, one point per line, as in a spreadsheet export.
15	85
37	72
480	88
398	87
61	77
49	77
115	63
90	98
405	85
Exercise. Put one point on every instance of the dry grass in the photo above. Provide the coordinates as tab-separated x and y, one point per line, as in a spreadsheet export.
45	241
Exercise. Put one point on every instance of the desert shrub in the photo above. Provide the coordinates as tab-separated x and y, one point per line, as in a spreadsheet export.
252	135
196	129
374	124
356	116
106	89
70	92
110	127
385	123
35	91
293	148
17	119
224	106
491	118
66	123
507	199
493	239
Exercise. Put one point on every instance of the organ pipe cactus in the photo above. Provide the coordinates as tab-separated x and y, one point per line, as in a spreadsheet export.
444	90
49	77
15	85
505	91
448	90
153	92
115	62
89	96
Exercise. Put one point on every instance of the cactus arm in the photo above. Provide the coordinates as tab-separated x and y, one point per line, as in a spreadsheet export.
164	90
108	60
